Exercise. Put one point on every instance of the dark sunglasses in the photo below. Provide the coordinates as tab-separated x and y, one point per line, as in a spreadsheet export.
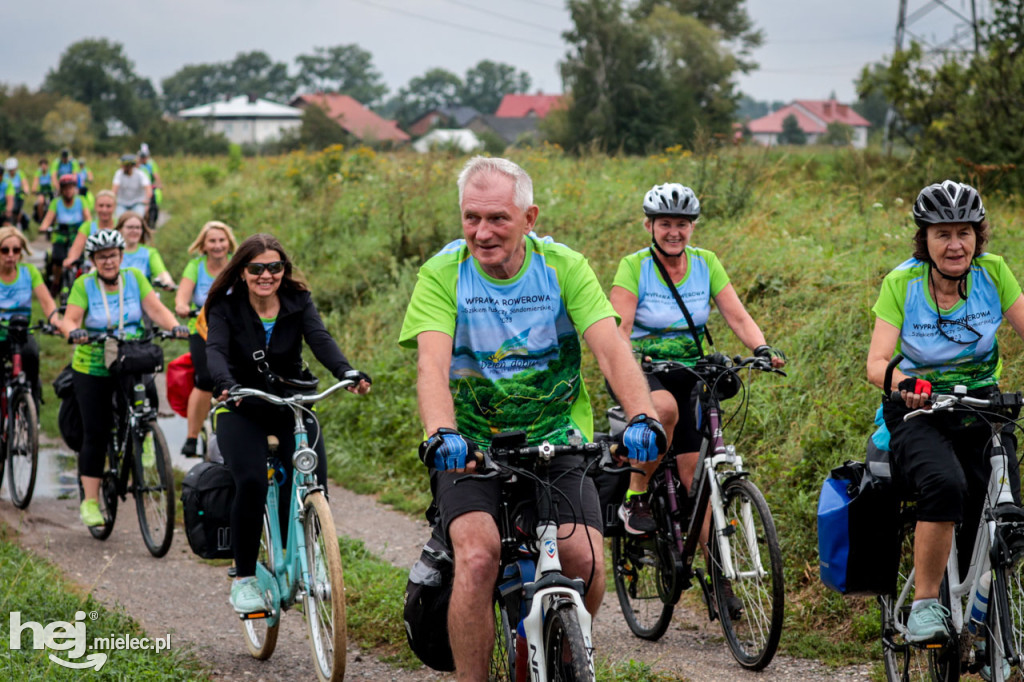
256	269
6	250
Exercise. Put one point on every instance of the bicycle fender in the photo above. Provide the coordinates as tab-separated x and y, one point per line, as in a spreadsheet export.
736	475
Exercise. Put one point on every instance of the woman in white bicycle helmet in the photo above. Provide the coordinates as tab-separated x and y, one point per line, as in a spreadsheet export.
654	323
941	309
113	301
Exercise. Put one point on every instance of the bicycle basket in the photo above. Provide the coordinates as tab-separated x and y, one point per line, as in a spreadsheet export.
427	595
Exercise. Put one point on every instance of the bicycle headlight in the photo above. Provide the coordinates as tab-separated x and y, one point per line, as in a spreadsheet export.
304	461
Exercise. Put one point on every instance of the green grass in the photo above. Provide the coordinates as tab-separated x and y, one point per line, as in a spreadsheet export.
39	591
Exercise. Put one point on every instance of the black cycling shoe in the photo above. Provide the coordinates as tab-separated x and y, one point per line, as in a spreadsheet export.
732	602
636	516
190	448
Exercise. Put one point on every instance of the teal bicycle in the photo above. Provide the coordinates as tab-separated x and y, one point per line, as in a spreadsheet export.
310	570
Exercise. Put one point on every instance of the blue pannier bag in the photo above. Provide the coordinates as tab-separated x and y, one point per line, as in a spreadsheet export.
858	526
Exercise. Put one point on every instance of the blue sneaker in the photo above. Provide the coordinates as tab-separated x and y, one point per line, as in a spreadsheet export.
986	670
928	624
245	595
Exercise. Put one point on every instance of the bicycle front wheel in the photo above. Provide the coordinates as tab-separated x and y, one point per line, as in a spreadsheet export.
325	595
503	657
567	655
750	606
260	634
22	449
154	488
1007	601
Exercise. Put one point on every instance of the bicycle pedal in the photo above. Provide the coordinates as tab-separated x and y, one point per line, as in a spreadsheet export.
255	615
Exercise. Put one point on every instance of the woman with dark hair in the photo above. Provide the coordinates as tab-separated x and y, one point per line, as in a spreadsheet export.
258	312
941	309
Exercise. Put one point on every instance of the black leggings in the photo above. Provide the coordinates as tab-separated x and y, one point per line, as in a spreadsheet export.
242	438
94	395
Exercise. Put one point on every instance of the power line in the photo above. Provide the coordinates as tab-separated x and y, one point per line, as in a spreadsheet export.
505	17
477	31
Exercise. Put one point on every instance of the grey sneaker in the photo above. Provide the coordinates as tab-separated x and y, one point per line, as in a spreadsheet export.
636	515
245	595
928	624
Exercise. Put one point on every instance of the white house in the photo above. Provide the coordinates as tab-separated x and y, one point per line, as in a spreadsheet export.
245	119
448	138
813	117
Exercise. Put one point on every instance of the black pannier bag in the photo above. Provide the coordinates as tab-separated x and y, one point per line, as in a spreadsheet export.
858	526
206	496
427	595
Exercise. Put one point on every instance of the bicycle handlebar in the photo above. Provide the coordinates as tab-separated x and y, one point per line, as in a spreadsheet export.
946	402
96	337
497	460
716	360
240	392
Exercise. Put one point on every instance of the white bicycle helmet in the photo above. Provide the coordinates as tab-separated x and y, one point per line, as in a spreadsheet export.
948	202
102	240
672	199
11	163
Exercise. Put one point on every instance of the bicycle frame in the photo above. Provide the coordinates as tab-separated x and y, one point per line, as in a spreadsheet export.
284	583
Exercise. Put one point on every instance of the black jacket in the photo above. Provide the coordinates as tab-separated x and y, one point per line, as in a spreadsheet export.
229	345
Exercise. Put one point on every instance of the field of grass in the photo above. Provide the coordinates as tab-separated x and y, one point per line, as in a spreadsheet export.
805	235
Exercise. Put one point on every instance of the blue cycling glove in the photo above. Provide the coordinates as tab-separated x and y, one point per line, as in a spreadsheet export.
445	450
644	438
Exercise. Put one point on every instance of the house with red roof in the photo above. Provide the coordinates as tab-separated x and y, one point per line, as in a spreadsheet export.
813	117
521	106
354	118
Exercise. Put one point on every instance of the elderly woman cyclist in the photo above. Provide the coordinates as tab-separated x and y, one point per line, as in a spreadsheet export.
657	327
258	304
106	300
941	309
19	281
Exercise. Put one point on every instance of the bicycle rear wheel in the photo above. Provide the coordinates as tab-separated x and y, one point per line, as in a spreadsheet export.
567	655
325	596
753	632
1007	600
646	581
905	662
261	633
22	449
154	488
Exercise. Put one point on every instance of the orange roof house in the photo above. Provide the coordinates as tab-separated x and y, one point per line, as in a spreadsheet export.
354	118
813	117
519	106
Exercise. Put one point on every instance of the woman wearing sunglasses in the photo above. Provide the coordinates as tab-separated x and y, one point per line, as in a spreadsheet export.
18	282
211	250
258	312
941	309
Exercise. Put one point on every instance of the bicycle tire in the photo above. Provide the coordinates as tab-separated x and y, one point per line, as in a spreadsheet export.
324	599
638	569
154	488
22	448
905	662
108	506
1006	604
753	636
566	654
503	657
260	634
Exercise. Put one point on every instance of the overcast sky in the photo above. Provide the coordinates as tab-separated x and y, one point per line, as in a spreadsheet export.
812	47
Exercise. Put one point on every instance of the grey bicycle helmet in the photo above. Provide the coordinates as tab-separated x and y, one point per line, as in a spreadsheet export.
948	202
672	199
102	240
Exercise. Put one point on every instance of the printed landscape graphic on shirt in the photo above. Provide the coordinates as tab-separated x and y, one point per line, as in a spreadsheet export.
669	343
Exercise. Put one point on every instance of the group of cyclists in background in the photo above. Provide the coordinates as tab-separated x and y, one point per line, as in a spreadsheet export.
488	363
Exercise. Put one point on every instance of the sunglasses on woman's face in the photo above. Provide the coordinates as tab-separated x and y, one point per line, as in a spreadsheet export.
256	269
7	250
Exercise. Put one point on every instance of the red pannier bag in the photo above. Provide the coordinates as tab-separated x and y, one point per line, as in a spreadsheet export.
180	377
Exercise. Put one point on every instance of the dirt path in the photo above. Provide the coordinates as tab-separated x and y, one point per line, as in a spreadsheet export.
187	597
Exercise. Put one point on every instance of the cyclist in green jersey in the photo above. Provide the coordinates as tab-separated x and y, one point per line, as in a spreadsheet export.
655	324
104	221
69	212
941	310
148	166
14	188
139	251
42	187
496	319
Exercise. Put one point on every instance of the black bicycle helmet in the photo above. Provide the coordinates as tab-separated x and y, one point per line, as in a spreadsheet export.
948	202
672	199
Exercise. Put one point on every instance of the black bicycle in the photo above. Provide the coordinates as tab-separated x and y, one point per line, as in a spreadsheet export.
19	422
137	451
746	591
